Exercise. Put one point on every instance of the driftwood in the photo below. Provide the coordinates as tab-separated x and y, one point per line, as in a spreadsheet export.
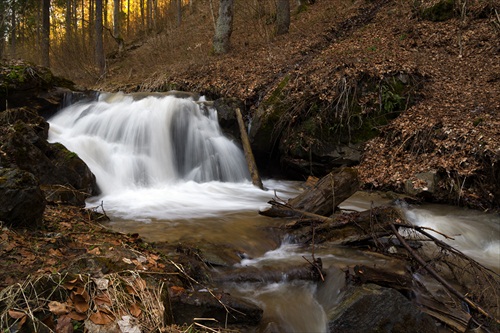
328	192
321	199
252	167
441	280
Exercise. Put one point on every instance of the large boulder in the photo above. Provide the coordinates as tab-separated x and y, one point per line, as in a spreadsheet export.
24	145
21	201
371	308
25	84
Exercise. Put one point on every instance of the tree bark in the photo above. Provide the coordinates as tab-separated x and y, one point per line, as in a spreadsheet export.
224	27
328	192
99	46
282	17
45	33
252	166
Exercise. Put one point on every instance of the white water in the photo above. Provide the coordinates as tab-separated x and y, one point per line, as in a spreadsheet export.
159	157
166	171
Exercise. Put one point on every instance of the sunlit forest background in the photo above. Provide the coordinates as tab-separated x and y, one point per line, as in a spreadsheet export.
167	31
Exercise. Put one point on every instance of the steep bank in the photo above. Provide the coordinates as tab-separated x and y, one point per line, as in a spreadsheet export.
448	128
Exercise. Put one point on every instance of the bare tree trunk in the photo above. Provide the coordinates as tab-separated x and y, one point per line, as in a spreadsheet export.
141	5
68	20
282	17
99	43
13	34
224	27
116	18
45	33
179	12
128	18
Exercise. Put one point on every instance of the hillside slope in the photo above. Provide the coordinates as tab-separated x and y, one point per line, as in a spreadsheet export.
450	131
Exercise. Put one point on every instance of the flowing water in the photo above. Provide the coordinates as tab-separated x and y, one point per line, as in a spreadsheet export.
167	172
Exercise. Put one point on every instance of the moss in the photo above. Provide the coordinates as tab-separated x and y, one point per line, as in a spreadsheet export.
441	11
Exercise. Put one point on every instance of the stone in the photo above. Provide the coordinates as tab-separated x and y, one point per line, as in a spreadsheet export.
423	184
371	308
24	146
21	201
187	305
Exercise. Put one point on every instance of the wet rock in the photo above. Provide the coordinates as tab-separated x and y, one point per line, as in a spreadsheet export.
423	185
60	194
371	308
217	308
24	84
23	145
227	118
21	201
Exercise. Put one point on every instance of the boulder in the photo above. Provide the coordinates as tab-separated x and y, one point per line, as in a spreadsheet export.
21	201
221	307
23	145
227	117
371	308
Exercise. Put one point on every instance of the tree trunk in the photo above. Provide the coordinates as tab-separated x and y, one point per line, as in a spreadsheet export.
282	17
179	12
224	27
13	33
99	43
328	192
116	18
252	167
68	21
45	32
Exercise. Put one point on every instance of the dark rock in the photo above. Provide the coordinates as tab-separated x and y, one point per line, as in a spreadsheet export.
227	118
423	185
60	194
371	308
23	145
21	201
24	84
187	305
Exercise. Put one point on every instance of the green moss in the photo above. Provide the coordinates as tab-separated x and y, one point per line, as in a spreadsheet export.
477	121
441	11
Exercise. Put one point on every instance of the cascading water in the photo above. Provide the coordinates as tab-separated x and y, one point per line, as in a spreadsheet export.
155	156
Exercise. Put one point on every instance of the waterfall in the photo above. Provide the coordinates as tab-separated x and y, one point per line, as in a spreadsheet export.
138	144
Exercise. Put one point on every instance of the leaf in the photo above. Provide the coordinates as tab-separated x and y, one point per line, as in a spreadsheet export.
135	310
81	305
58	308
16	314
102	299
64	325
101	318
96	251
77	316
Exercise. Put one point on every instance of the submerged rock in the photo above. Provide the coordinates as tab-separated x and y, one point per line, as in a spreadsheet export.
371	308
214	307
21	201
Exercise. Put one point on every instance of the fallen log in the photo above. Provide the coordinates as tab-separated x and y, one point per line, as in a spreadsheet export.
320	200
252	166
328	192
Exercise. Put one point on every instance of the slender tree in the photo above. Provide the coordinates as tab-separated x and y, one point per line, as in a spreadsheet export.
224	27
45	32
179	12
282	17
99	43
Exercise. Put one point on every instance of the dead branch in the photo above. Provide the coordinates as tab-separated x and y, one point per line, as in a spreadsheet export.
441	280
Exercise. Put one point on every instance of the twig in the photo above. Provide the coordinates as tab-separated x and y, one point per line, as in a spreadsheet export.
441	280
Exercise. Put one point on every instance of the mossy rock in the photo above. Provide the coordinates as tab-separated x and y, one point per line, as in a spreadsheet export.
438	12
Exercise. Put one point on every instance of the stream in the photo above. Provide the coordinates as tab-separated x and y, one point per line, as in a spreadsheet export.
167	172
